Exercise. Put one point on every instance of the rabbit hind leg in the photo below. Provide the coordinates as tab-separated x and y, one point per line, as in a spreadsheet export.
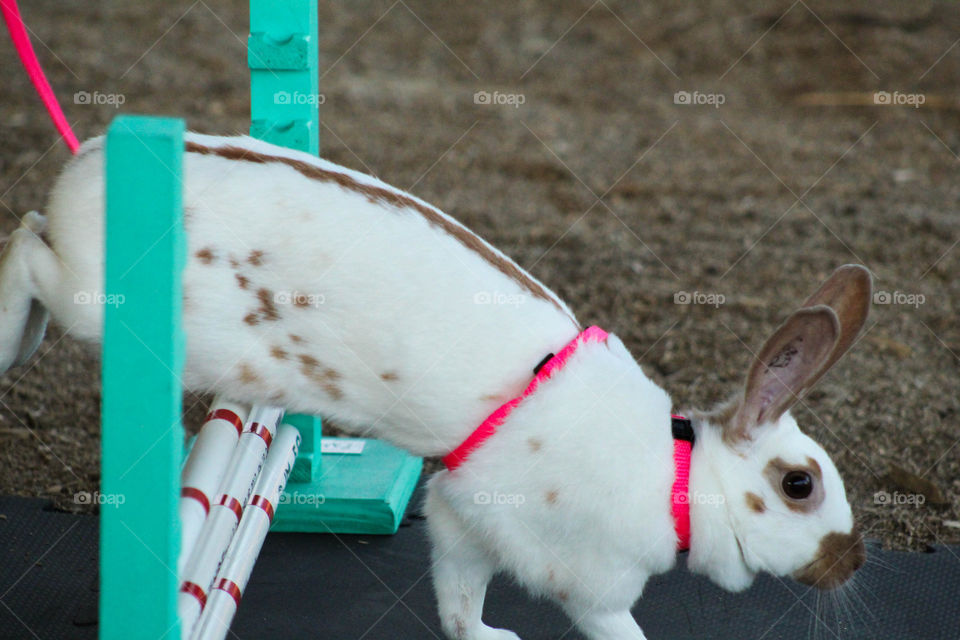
30	275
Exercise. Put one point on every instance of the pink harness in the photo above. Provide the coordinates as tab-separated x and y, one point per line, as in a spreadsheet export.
682	445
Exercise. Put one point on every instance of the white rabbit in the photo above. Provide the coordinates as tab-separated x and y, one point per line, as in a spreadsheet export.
323	290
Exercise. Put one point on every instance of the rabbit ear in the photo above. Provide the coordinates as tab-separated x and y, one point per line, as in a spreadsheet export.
848	292
785	368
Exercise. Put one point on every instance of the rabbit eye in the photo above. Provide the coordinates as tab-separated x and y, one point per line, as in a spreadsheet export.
797	485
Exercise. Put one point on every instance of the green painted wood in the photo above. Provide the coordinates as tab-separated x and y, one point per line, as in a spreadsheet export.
143	354
283	59
284	84
354	493
367	493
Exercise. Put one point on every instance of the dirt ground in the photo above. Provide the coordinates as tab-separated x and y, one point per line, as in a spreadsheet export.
586	166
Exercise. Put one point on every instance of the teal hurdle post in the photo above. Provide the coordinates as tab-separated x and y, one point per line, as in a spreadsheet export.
343	493
284	84
143	353
284	97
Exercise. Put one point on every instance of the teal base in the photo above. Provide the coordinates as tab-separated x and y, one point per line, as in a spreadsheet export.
352	493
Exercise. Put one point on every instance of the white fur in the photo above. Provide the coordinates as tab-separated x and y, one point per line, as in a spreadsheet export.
571	496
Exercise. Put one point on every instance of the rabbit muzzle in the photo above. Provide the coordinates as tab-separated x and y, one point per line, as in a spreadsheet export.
838	557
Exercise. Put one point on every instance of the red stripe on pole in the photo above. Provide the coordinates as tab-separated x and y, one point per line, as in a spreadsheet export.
263	503
258	429
196	494
196	591
229	416
231	503
231	588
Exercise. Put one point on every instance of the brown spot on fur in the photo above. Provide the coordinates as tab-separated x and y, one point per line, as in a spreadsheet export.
778	467
247	374
535	444
490	397
279	353
267	310
755	502
301	300
551	496
389	376
205	255
234	262
323	376
294	338
242	281
551	575
382	196
459	628
255	258
251	319
839	556
724	417
563	596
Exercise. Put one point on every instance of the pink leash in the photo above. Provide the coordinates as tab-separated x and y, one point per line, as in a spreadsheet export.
21	42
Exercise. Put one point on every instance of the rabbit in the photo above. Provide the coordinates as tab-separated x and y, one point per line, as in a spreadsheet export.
314	287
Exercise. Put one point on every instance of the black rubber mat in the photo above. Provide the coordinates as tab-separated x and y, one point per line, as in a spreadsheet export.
378	588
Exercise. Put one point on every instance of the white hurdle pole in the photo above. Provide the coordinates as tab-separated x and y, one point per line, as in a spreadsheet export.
204	470
214	537
242	554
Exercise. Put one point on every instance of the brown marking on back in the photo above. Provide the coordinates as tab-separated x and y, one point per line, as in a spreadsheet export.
323	376
535	444
242	281
267	309
205	255
294	338
777	468
838	557
301	300
389	376
234	262
490	397
252	319
551	496
279	352
255	258
247	374
382	196
755	502
724	417
563	596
